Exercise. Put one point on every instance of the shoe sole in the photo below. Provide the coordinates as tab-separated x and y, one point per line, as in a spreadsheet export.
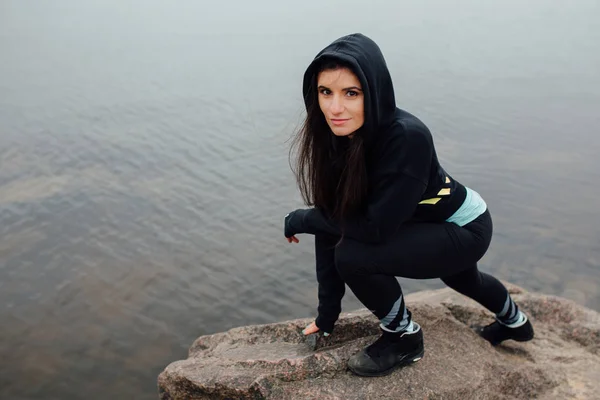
405	362
527	339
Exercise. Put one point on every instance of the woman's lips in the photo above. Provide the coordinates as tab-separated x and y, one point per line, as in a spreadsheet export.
339	121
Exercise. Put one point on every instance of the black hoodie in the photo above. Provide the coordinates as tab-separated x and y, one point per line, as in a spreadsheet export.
406	181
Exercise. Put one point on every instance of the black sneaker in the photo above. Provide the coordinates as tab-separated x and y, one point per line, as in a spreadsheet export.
496	333
389	352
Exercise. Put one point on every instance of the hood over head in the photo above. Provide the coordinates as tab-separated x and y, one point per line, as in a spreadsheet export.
364	58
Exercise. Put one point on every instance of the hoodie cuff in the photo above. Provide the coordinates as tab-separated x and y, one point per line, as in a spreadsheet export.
325	324
295	222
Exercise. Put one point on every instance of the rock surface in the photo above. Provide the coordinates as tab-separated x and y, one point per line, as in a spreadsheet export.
276	361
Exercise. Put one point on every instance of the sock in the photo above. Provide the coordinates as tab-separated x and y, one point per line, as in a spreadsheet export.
510	315
519	322
410	328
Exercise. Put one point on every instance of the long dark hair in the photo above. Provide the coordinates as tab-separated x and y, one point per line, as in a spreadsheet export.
330	170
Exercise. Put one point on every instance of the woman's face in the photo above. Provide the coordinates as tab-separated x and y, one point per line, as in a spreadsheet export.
341	100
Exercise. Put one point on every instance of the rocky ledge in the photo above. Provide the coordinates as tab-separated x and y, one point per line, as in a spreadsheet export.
276	361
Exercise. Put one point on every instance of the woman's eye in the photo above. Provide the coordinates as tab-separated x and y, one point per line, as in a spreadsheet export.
352	93
325	91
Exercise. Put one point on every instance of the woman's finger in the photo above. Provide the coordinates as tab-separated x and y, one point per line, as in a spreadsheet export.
312	328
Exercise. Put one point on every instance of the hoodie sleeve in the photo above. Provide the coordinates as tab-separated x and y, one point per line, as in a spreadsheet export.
400	180
331	288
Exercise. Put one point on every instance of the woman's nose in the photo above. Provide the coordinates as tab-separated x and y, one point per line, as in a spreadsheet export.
337	105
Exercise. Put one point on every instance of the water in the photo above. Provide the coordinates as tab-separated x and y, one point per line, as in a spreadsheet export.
144	171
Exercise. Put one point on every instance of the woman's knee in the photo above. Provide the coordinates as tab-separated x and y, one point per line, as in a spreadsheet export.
351	259
468	278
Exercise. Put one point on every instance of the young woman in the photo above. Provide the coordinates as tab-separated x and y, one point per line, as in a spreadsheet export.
384	207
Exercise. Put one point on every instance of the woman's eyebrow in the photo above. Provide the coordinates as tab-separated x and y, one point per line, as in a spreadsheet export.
344	90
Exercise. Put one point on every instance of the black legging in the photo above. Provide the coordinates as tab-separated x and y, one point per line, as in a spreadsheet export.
418	251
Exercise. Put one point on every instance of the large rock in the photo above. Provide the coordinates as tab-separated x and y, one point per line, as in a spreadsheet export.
276	362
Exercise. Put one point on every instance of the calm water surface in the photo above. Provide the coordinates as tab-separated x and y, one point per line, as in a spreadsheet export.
144	171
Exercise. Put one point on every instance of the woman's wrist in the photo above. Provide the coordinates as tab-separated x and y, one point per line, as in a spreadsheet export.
326	325
295	222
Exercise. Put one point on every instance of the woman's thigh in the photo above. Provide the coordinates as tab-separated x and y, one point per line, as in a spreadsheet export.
418	251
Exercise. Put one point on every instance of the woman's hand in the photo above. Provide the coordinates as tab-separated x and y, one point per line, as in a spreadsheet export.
313	328
293	239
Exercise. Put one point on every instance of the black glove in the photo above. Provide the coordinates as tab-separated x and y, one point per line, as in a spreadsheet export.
294	222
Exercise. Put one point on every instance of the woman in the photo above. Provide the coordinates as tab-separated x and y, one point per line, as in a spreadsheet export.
384	207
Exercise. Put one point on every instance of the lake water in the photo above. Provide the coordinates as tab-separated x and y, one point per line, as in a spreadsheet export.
144	172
